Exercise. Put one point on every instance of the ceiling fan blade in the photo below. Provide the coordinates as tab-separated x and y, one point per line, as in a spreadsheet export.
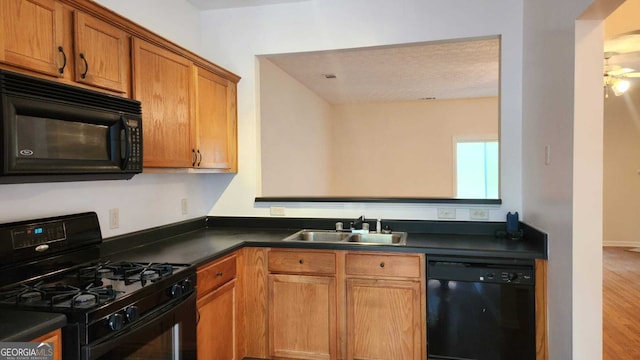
624	43
620	71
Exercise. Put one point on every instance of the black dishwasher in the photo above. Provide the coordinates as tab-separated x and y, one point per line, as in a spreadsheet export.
480	309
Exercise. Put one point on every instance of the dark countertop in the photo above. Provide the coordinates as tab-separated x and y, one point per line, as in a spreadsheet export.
200	246
27	325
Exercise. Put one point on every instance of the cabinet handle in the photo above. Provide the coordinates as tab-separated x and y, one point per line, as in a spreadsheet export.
301	261
219	274
195	157
197	317
86	66
64	60
382	264
199	157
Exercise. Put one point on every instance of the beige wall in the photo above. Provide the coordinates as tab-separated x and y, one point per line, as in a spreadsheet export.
621	168
295	131
312	148
405	148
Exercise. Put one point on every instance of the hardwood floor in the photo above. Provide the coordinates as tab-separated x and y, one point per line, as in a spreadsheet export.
621	304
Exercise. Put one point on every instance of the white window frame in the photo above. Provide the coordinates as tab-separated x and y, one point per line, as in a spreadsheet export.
474	138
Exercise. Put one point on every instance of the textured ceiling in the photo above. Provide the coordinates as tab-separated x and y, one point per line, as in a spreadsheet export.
441	70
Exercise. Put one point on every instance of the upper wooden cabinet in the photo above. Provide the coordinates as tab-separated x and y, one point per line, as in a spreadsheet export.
101	54
32	35
215	126
37	36
189	104
175	134
163	84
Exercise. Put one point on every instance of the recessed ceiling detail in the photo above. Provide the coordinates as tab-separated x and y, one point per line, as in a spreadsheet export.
446	70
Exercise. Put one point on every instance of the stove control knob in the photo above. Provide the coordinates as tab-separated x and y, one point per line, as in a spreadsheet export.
115	321
512	276
187	286
175	290
131	313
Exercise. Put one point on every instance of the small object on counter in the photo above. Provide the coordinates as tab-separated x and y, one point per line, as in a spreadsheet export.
513	226
379	226
512	222
386	230
339	226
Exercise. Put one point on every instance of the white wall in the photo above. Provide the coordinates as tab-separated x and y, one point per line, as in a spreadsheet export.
295	136
148	199
233	37
562	108
176	20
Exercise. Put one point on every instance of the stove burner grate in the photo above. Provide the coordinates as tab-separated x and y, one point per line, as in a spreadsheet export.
58	295
129	272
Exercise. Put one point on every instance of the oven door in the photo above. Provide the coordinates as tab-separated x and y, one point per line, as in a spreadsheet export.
168	333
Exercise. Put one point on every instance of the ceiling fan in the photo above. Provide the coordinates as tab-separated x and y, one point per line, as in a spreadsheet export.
616	78
621	58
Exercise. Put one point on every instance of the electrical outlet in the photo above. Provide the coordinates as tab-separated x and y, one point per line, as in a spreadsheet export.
114	218
276	211
446	213
479	214
185	206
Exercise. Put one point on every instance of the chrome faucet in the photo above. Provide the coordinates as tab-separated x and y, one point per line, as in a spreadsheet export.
357	223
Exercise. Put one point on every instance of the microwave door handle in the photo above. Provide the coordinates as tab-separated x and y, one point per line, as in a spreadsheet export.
127	142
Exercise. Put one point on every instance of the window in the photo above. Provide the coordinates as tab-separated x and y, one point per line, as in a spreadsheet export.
477	169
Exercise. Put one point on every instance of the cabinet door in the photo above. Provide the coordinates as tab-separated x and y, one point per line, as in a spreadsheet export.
31	36
302	317
216	121
162	82
56	338
384	319
101	54
217	324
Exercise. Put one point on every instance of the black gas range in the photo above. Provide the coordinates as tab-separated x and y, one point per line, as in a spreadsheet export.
114	310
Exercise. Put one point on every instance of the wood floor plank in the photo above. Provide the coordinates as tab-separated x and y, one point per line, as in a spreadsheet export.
621	304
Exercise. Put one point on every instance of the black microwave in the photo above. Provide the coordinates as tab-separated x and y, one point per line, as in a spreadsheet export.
57	132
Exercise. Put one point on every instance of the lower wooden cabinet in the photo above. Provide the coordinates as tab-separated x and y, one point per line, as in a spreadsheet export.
217	310
54	337
384	319
345	305
216	324
302	317
385	307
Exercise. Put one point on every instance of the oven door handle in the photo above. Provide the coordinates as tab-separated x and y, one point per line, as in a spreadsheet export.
96	350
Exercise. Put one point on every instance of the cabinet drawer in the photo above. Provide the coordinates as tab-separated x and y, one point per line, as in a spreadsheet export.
212	276
406	266
302	262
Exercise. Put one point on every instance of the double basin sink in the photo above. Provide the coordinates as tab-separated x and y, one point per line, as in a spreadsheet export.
344	237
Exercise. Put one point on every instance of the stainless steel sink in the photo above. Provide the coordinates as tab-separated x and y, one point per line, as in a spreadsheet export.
345	237
396	238
318	236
